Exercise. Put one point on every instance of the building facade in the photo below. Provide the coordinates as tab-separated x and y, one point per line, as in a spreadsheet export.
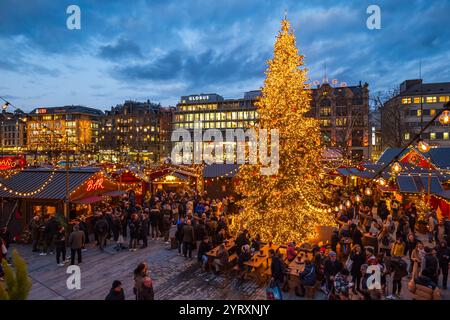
212	111
52	131
13	133
138	131
404	115
344	117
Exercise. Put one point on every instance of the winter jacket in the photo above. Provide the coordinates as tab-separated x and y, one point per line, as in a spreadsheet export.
188	234
101	227
443	255
308	276
203	248
76	239
277	268
332	268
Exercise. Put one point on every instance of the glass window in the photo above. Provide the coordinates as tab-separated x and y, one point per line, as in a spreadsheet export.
419	112
406	100
325	122
407	136
325	111
432	135
444	98
432	112
445	136
431	100
341	122
417	99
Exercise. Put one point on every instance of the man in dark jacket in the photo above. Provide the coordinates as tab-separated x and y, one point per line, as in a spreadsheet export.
144	230
203	248
430	264
51	228
188	239
277	269
179	234
241	240
443	255
36	227
101	229
76	242
331	267
116	292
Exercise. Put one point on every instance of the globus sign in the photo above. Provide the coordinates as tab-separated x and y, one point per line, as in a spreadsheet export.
11	163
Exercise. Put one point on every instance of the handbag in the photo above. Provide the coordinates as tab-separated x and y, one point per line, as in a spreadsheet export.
349	264
4	250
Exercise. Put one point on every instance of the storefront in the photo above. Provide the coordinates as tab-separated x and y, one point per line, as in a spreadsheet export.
43	192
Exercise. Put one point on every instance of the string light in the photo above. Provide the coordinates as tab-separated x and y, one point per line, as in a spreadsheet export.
444	118
423	146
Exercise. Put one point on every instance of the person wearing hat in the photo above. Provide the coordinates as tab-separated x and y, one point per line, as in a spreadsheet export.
116	292
331	267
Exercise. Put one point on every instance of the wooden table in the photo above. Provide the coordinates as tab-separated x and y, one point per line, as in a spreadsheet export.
214	252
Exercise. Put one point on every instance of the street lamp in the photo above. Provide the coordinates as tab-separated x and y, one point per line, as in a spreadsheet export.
444	118
423	146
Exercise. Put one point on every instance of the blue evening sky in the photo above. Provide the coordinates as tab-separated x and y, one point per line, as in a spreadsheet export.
160	50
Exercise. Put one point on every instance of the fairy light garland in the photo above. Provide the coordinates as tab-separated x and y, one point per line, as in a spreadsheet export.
5	188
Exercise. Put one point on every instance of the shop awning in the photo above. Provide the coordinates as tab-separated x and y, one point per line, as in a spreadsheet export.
43	183
116	193
407	184
88	200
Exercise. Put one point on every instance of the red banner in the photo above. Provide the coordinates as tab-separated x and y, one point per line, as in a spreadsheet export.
11	163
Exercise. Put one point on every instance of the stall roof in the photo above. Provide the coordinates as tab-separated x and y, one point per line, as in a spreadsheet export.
30	180
219	170
417	184
440	157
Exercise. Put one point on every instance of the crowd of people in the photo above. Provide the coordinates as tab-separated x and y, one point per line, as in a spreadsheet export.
375	247
379	237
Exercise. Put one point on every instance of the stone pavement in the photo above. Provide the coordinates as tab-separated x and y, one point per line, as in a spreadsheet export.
174	277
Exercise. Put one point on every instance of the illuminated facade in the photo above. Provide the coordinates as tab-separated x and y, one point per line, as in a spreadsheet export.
343	112
13	133
138	131
212	111
56	129
403	116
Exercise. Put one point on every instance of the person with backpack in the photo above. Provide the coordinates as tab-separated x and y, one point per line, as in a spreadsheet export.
430	265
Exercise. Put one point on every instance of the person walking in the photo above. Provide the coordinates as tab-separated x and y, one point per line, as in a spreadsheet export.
188	239
135	228
76	242
139	274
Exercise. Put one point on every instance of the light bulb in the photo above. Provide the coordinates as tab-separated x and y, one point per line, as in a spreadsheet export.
423	146
396	167
368	191
444	118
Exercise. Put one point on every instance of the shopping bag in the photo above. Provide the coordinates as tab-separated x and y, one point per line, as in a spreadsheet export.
273	292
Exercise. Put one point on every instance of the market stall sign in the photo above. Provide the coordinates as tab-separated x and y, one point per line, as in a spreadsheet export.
95	184
11	163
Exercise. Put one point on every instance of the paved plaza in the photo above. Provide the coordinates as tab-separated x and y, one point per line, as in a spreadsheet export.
174	277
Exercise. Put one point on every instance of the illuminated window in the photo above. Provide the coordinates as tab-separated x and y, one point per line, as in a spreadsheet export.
444	98
431	100
432	135
240	115
407	136
432	112
207	116
341	122
325	111
325	122
406	100
419	112
417	100
445	136
234	115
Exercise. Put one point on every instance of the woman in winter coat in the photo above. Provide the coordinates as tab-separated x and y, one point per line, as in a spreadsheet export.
416	257
358	258
138	276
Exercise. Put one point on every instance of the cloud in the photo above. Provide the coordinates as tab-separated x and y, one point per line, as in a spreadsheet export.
121	49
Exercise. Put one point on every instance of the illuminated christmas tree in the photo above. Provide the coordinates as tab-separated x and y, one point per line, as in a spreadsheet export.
290	205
